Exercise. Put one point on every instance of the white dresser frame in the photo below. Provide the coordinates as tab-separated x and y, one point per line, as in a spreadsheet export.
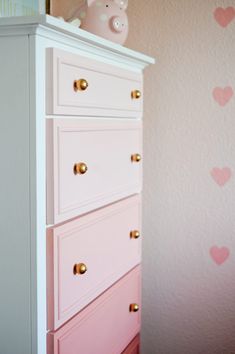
22	153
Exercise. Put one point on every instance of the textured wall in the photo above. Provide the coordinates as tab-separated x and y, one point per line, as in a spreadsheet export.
189	196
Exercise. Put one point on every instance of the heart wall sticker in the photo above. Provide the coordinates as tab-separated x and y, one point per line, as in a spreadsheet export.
224	16
219	255
223	95
221	175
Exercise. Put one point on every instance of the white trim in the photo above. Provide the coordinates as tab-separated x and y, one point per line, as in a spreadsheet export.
38	195
56	29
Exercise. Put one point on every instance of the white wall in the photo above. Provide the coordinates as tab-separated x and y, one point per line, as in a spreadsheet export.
189	299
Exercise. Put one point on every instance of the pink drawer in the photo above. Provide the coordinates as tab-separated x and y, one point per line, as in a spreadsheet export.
104	327
106	148
109	91
102	242
133	347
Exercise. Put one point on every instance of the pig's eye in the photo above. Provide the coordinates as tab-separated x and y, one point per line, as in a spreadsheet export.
107	5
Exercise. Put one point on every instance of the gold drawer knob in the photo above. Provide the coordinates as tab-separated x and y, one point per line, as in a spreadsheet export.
136	158
80	85
80	268
134	308
80	168
135	234
136	94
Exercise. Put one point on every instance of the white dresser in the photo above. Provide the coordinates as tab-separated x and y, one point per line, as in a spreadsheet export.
71	107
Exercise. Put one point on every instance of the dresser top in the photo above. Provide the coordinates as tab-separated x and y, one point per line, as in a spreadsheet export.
43	24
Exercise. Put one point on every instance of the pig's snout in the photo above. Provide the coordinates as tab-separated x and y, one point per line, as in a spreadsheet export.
117	24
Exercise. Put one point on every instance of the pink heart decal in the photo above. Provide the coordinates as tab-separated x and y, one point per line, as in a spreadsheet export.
224	16
223	95
219	255
221	175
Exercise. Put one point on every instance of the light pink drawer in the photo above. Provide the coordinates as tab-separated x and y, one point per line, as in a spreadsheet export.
109	91
133	347
104	327
102	241
106	148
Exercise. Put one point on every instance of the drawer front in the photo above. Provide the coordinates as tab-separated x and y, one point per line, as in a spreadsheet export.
106	148
109	91
102	241
104	327
133	347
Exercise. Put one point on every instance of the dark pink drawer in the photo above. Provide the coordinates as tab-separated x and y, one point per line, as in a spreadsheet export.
106	326
133	347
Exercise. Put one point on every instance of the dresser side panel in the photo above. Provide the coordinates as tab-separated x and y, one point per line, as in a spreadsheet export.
15	291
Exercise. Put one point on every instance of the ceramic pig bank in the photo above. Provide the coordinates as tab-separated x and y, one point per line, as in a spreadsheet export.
105	18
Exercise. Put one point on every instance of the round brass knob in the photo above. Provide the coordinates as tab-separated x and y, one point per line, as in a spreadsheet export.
80	168
80	85
136	94
136	158
134	308
135	234
80	268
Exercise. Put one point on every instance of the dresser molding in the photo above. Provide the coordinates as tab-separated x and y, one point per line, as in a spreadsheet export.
95	47
23	43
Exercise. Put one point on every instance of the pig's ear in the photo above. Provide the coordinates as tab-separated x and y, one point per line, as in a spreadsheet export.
122	4
90	2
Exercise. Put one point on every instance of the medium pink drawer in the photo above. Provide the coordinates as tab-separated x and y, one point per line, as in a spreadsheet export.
133	347
100	240
104	327
109	91
106	148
